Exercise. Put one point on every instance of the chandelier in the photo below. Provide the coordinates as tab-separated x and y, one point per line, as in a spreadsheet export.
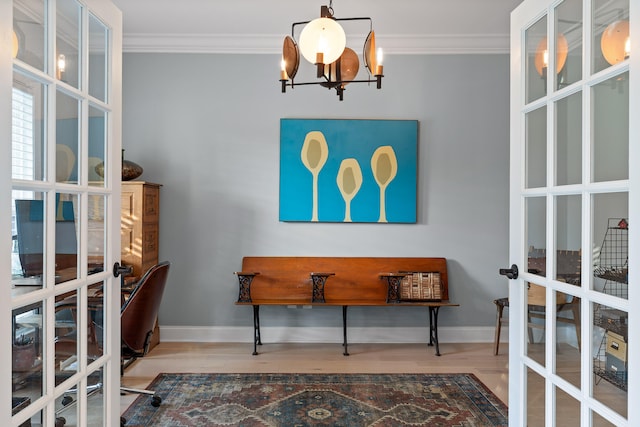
322	42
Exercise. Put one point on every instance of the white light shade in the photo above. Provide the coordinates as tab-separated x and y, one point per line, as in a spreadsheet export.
322	35
16	45
615	42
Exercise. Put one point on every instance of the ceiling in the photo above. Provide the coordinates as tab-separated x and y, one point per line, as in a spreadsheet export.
259	26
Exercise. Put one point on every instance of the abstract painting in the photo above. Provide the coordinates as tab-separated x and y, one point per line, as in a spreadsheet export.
348	170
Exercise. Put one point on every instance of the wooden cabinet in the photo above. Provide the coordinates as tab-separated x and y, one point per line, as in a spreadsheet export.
139	225
139	229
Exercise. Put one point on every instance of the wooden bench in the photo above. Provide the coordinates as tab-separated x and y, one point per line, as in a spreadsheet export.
337	281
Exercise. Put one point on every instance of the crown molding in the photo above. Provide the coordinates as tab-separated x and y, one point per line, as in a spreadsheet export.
272	44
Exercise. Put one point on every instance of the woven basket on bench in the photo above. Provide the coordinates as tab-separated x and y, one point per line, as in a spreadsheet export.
420	286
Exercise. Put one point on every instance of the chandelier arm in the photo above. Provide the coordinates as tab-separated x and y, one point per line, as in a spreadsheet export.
332	83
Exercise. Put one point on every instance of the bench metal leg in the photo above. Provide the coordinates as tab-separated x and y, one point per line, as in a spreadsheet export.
256	329
433	328
344	330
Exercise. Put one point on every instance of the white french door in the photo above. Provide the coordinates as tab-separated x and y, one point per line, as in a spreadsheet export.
60	121
574	212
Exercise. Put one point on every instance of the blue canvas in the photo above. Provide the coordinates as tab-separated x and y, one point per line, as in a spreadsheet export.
348	170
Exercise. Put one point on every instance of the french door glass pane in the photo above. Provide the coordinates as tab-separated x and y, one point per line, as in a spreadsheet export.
536	148
535	399
29	32
95	316
536	228
610	231
569	42
569	140
96	237
568	347
95	400
68	42
600	421
67	332
610	361
537	311
97	138
97	58
27	255
568	238
610	124
536	54
67	138
66	237
28	129
567	409
27	351
610	31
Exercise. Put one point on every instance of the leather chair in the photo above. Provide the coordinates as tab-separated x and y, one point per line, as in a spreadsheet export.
139	313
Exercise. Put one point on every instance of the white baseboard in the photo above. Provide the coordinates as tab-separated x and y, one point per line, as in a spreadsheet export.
476	334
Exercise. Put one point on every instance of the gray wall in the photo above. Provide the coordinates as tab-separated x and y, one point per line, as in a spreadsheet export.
207	128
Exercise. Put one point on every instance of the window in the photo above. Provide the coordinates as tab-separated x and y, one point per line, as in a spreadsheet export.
22	158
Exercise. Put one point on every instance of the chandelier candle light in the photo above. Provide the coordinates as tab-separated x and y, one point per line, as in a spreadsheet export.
322	42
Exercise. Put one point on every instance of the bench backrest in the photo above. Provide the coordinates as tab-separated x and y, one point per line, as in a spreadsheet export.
355	279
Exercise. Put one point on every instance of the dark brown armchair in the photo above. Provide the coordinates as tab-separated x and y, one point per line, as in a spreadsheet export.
139	313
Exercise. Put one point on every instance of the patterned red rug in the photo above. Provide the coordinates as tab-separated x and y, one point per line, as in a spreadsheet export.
290	400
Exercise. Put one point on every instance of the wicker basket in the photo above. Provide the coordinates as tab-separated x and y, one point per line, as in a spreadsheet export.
420	286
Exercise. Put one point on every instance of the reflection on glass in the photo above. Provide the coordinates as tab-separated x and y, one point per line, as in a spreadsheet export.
27	351
610	125
66	347
27	255
536	148
95	314
568	238
568	345
28	27
536	307
95	399
536	214
97	138
67	138
97	58
610	29
569	140
569	27
567	409
610	357
67	42
600	421
66	237
535	399
27	131
66	408
536	68
96	237
610	231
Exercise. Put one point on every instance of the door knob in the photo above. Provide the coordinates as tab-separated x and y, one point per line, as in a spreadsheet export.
121	269
511	273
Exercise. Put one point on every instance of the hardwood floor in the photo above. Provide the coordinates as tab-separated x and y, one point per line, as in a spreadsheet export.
477	359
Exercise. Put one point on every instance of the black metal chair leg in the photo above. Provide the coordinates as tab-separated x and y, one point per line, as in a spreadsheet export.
344	330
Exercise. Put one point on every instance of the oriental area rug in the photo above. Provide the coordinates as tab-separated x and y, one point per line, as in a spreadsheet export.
296	400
